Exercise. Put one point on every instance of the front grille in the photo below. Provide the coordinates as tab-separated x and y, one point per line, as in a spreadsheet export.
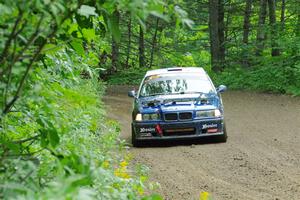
179	131
185	116
182	116
171	117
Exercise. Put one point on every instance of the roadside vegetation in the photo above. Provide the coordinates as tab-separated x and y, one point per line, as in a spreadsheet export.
55	140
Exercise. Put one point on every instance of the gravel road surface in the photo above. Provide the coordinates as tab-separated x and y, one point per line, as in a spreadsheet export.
261	159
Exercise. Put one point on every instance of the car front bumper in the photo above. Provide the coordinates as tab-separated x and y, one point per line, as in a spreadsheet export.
178	130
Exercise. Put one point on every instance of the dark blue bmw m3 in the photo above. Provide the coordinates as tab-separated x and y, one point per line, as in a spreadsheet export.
177	103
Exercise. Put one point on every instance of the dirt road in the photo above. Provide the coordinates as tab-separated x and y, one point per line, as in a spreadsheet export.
261	159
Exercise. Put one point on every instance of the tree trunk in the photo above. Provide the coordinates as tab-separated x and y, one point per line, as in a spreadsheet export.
282	15
141	49
214	34
115	48
298	22
246	27
261	27
246	31
228	19
154	43
221	34
129	42
274	31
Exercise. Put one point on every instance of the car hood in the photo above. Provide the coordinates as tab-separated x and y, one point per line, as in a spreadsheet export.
178	102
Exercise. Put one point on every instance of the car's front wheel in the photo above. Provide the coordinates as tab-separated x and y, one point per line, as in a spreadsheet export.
223	138
134	141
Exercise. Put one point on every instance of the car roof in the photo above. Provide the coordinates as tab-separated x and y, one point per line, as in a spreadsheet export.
173	70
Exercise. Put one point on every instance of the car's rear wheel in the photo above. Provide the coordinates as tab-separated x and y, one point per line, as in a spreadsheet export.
134	141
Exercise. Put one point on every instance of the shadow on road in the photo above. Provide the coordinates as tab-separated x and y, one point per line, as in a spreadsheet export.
186	142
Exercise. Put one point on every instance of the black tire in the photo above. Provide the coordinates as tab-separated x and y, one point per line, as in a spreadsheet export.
134	141
223	138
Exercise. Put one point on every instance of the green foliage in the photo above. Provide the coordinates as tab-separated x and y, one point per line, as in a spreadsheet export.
131	76
271	77
55	141
76	140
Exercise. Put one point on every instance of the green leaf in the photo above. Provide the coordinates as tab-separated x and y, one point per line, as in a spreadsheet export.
81	181
87	11
41	121
73	27
182	17
53	137
78	47
159	15
44	139
12	146
89	34
15	186
113	26
153	197
51	49
189	23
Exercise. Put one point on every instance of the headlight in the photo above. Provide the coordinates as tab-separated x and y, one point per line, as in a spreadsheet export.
138	117
217	113
208	113
153	116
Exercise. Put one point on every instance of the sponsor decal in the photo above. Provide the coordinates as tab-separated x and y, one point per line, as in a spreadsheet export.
146	134
205	126
143	130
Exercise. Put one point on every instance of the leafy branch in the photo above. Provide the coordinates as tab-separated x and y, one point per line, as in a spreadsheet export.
34	57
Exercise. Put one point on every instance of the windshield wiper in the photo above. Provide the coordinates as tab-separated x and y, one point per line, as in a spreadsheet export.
191	92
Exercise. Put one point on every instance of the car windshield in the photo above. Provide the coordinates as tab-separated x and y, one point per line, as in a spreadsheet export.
168	84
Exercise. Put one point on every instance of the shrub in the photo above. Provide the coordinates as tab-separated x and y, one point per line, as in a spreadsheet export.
271	76
57	143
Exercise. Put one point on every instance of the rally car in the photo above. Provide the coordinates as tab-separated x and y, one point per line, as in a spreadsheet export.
177	103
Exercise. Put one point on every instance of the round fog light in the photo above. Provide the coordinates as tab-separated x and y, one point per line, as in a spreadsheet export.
154	116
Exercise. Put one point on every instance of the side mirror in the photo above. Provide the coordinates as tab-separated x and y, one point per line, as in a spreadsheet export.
131	93
221	88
